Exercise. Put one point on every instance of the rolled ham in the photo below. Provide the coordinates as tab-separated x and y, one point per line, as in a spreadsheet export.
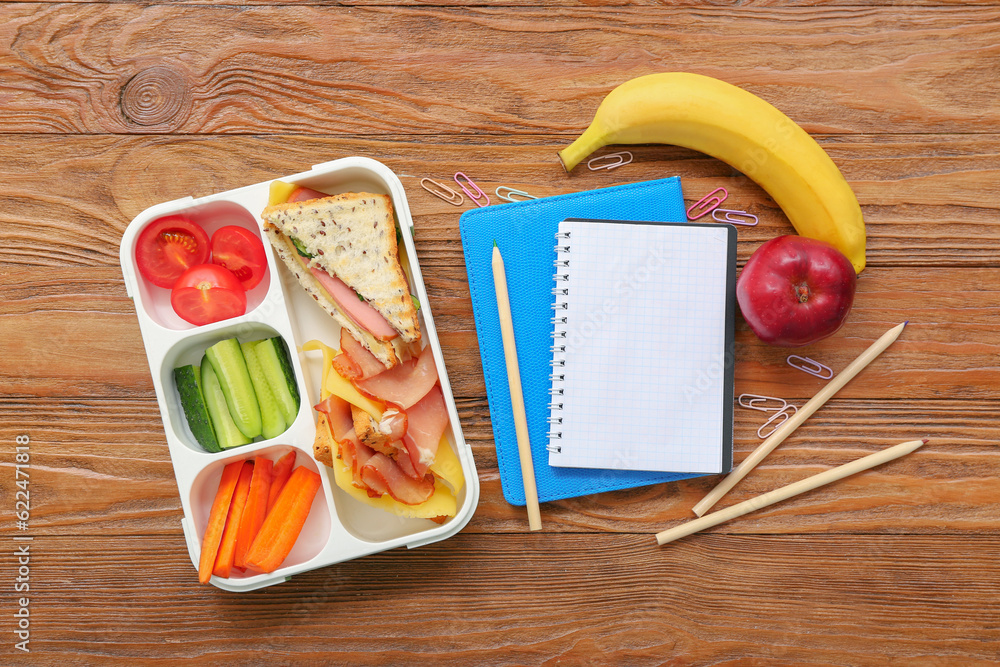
363	362
382	474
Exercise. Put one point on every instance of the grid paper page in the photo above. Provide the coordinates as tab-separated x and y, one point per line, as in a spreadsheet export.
643	378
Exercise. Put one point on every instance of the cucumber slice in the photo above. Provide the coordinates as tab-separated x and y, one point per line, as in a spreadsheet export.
188	381
215	401
271	418
277	367
227	360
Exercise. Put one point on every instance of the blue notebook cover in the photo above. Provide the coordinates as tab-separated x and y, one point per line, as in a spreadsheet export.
525	232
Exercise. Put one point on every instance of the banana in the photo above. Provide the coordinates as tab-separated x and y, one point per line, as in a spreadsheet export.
742	130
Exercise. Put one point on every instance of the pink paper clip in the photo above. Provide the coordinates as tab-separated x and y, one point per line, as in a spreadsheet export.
729	217
811	366
783	412
707	204
481	195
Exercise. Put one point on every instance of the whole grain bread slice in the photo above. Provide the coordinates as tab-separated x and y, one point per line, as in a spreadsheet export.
384	352
353	237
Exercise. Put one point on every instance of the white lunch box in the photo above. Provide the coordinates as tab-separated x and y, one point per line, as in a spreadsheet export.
339	527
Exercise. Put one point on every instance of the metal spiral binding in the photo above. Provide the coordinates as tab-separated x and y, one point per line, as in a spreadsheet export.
559	336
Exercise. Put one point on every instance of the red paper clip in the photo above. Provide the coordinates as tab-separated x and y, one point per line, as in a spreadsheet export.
707	204
481	196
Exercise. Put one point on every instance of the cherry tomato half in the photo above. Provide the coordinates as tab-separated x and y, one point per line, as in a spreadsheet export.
305	194
167	247
208	293
240	250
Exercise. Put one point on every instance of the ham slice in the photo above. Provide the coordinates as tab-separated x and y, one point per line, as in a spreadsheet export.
304	194
345	366
363	360
359	311
338	414
426	422
381	474
405	384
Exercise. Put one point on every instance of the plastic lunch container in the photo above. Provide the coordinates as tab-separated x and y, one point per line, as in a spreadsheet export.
339	527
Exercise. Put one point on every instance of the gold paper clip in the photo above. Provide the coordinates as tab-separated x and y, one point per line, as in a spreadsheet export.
783	412
810	366
442	191
511	192
624	157
480	195
707	204
729	217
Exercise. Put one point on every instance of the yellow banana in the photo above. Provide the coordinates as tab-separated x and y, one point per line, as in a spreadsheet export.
742	130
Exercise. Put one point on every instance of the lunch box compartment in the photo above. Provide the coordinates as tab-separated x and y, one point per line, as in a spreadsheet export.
191	350
315	532
210	216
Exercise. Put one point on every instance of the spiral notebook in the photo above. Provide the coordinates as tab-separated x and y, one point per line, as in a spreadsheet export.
524	232
643	346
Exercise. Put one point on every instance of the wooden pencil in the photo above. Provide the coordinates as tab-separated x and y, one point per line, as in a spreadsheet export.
516	395
793	422
785	492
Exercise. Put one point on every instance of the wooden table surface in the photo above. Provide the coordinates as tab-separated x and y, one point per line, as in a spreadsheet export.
108	108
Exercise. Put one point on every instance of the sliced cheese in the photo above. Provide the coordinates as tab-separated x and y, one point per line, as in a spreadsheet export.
279	192
447	467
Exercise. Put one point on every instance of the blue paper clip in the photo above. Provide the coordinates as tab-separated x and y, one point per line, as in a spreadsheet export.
477	197
511	192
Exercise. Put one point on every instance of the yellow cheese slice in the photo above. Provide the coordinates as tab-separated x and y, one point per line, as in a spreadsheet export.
279	192
447	467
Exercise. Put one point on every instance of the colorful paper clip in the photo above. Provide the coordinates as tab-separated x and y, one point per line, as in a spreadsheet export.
442	191
479	196
511	192
783	412
729	217
758	402
810	366
707	204
622	158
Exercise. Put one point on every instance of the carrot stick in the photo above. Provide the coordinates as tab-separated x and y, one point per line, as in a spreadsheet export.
255	510
282	470
284	522
217	520
227	547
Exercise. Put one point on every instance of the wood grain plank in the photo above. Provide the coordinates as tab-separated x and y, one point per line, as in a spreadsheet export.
534	600
327	69
928	200
102	467
65	335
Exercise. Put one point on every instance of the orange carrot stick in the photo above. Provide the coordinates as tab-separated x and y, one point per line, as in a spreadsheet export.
282	471
255	510
284	522
227	547
217	520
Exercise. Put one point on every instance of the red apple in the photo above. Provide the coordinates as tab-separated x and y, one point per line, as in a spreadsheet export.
795	291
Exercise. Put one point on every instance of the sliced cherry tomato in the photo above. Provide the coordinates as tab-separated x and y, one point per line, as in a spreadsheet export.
305	194
208	293
169	246
240	250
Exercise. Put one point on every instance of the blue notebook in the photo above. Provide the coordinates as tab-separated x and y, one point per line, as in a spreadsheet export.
525	232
